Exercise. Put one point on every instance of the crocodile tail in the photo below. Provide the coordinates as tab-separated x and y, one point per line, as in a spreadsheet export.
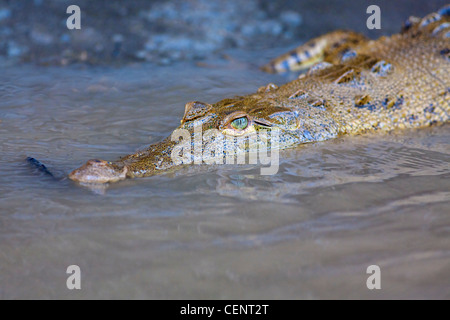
328	47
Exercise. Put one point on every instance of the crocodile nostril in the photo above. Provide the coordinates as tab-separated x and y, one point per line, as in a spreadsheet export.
96	162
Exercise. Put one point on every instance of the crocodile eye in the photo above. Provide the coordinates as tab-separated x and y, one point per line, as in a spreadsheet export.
240	123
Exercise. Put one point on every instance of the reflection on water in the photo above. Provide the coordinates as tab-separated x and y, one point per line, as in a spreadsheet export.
333	209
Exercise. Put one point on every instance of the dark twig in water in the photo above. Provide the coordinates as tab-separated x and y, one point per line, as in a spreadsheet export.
41	167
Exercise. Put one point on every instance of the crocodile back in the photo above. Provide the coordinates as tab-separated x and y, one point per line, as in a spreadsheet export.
402	81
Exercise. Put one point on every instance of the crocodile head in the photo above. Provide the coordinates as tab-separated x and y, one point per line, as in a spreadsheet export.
299	117
232	123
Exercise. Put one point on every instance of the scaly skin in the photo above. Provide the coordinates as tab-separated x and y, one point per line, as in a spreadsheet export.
358	85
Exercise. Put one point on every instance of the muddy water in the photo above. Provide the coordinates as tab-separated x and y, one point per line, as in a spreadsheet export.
311	231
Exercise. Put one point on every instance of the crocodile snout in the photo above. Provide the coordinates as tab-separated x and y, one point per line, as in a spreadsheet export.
98	171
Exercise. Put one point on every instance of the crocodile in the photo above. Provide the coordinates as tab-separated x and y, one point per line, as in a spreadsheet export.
353	85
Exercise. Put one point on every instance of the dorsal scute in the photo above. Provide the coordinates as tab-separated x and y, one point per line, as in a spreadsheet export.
434	24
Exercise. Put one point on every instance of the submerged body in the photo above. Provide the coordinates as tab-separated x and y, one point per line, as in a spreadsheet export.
357	85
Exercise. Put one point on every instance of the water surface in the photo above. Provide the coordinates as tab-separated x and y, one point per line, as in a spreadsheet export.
333	209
